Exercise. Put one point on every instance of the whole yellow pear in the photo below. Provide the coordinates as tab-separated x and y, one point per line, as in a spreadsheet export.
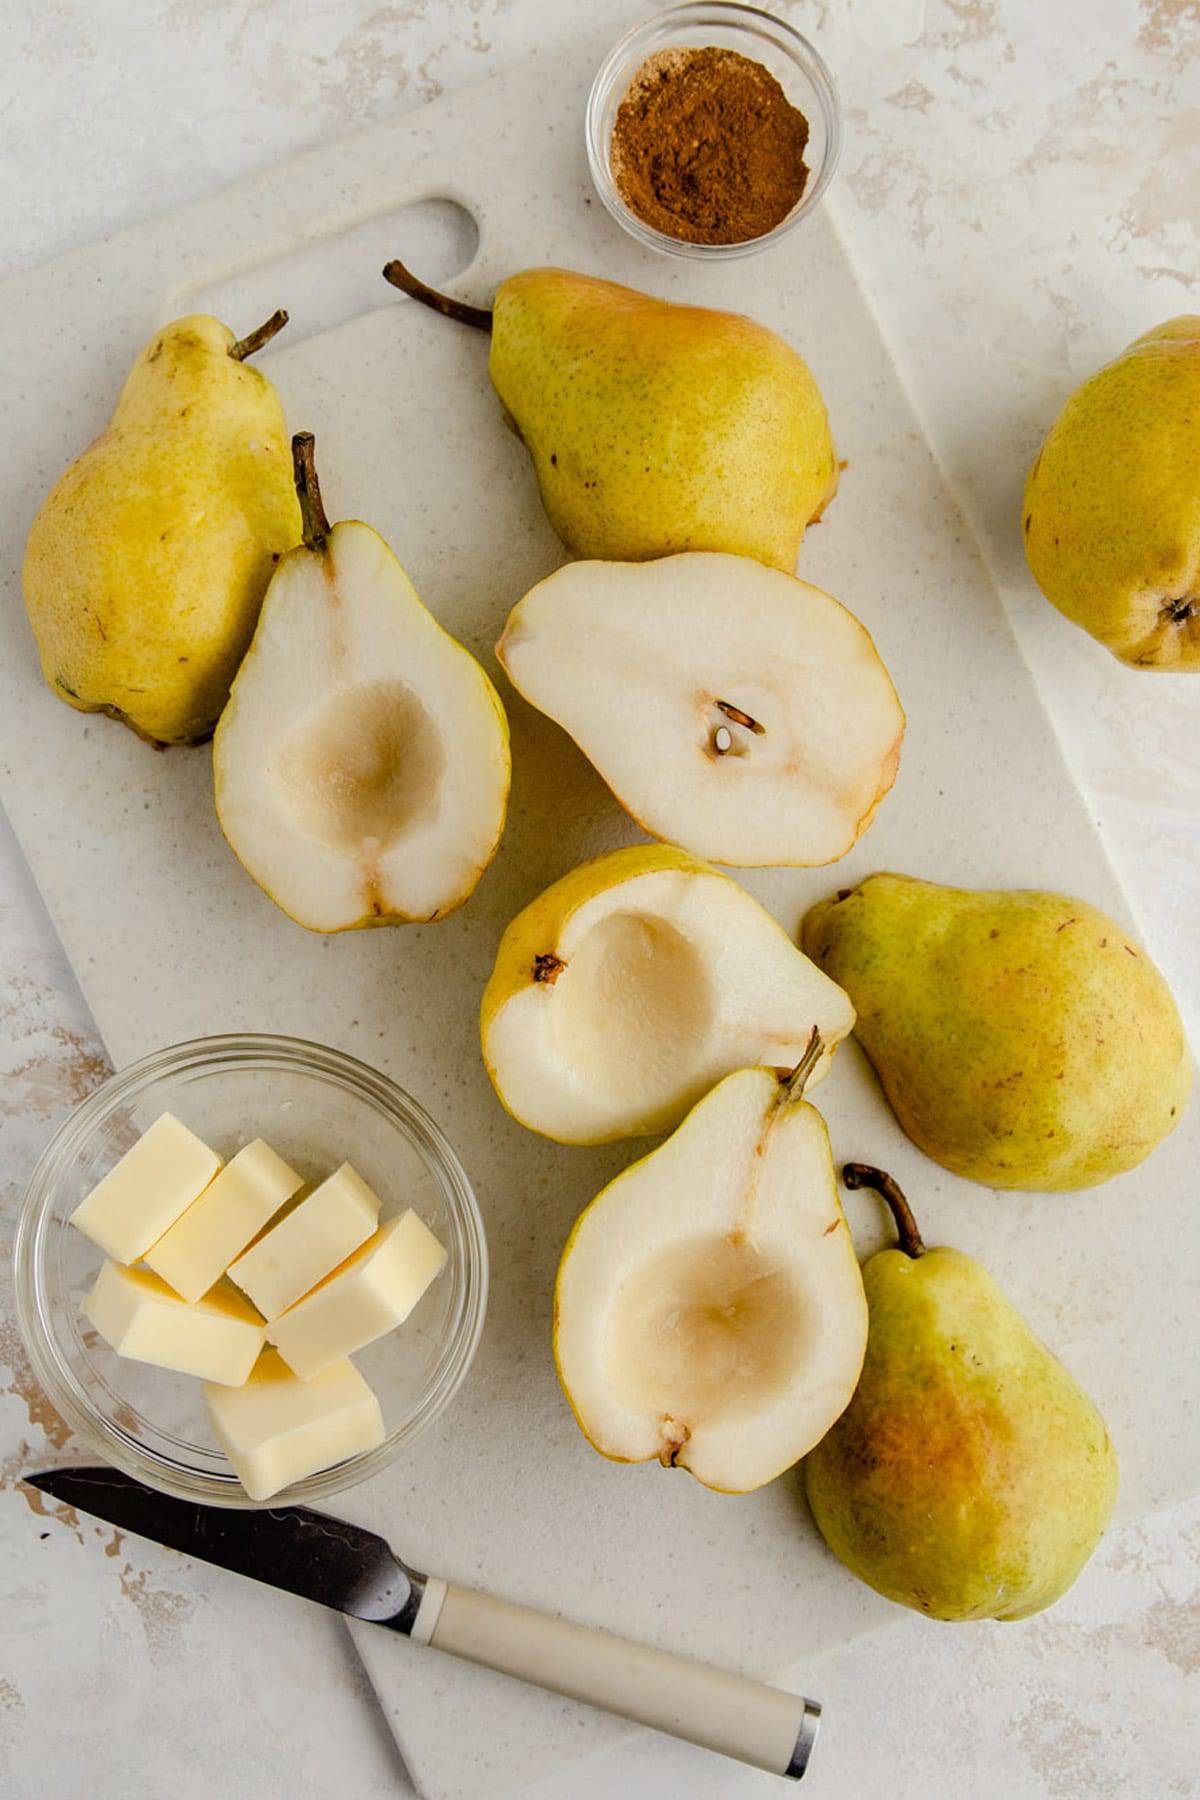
1021	1039
970	1477
653	427
1112	503
148	560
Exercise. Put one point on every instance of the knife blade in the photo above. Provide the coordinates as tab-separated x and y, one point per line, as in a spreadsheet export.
346	1567
328	1560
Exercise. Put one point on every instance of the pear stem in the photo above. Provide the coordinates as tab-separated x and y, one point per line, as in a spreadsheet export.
795	1083
408	283
308	490
262	334
862	1175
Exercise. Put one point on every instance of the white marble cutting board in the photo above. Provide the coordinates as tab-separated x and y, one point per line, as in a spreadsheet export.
170	939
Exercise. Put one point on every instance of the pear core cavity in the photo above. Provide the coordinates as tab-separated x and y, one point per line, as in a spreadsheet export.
708	1329
634	994
365	766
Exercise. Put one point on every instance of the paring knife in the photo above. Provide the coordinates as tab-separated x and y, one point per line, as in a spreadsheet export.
342	1566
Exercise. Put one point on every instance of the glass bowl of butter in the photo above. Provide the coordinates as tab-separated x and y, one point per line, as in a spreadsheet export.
244	1200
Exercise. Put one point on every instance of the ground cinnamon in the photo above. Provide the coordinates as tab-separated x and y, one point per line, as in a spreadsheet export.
708	147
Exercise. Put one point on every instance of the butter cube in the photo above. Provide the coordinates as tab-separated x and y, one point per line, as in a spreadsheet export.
276	1429
218	1338
374	1291
200	1246
328	1226
145	1193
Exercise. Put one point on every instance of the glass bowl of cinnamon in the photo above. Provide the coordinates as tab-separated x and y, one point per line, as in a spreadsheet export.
712	130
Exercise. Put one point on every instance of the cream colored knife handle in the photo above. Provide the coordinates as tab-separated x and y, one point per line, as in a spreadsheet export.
756	1724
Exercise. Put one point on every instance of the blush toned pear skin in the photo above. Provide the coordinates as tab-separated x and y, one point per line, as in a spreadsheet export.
1021	1038
970	1477
147	563
653	427
1111	516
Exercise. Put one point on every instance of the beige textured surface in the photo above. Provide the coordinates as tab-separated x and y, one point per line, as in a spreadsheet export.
80	1601
1040	160
1097	1699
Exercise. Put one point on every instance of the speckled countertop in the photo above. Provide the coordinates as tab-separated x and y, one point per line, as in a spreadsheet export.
1020	191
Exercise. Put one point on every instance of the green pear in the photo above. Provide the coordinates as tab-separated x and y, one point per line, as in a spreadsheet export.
654	428
1112	503
970	1477
1020	1037
148	560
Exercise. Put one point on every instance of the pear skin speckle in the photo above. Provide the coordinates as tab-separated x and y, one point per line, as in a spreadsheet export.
147	562
656	428
1019	1037
1111	515
970	1477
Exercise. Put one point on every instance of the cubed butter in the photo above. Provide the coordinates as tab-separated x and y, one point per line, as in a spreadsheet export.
277	1429
374	1291
146	1192
202	1243
218	1338
308	1243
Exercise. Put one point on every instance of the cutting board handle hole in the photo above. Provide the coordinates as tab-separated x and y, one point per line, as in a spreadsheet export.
327	281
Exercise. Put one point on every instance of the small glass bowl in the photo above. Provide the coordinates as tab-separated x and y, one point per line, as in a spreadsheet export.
318	1108
798	68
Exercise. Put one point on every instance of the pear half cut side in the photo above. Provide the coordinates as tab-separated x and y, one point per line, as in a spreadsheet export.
624	992
709	1312
362	765
730	707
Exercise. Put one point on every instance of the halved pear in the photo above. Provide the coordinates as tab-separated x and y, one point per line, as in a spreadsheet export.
626	990
362	764
709	1310
731	708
